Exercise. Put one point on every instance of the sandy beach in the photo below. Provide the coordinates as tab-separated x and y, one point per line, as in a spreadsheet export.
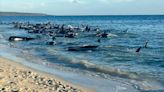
15	77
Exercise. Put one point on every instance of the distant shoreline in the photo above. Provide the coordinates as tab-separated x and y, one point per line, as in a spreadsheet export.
43	14
21	14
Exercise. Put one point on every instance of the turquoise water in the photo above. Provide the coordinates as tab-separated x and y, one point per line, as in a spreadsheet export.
115	55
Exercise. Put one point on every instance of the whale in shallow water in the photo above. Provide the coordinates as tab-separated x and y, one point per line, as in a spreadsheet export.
17	38
102	35
145	46
82	48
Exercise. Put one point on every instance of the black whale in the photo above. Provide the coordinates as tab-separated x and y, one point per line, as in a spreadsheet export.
18	38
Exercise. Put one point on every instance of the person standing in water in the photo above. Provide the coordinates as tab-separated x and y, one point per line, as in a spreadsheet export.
145	46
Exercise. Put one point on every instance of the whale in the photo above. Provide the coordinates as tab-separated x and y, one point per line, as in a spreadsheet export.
82	48
18	38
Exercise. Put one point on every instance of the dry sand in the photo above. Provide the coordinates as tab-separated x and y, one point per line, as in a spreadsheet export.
15	77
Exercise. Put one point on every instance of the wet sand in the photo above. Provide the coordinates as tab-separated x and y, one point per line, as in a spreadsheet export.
15	77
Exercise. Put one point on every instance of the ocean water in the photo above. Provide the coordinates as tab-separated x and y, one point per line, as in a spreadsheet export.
115	57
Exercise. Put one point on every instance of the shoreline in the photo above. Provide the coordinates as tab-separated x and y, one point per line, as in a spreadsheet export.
88	82
17	77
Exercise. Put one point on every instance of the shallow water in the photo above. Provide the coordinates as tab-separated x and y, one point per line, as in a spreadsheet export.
115	56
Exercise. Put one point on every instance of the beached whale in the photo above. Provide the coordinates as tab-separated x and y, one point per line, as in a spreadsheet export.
18	38
82	48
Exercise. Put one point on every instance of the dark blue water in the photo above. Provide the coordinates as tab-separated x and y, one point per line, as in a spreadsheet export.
116	54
